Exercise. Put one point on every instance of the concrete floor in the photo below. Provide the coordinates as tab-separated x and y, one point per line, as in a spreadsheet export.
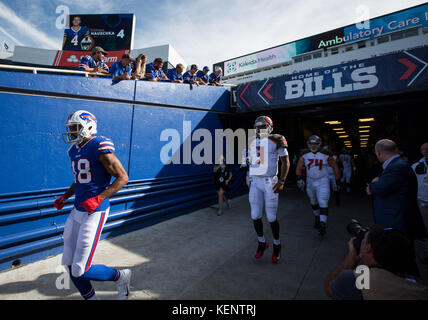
204	256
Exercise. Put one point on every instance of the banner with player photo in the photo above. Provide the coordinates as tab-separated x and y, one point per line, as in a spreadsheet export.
112	32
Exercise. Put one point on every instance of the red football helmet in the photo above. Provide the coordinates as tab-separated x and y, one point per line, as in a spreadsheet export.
314	143
263	121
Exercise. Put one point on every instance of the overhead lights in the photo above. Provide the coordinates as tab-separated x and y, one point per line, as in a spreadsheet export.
344	136
340	132
332	122
364	135
338	129
366	119
362	131
363	127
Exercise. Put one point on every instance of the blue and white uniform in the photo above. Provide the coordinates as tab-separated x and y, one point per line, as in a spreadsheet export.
214	78
73	38
187	76
88	62
205	77
83	230
173	75
152	73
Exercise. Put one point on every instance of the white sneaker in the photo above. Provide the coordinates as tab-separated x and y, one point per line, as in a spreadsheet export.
123	284
228	204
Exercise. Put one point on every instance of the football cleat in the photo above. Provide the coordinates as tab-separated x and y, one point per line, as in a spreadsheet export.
317	222
261	249
322	229
123	284
276	253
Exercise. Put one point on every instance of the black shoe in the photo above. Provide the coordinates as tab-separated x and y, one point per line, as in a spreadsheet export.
276	253
261	249
322	229
337	196
317	222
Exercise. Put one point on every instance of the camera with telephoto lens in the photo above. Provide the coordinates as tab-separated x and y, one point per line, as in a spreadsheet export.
358	231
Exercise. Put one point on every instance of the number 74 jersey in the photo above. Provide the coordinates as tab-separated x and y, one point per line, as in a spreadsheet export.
90	176
316	165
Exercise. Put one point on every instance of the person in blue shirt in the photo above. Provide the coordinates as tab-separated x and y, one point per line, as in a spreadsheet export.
122	69
154	70
190	76
202	76
95	62
176	74
215	77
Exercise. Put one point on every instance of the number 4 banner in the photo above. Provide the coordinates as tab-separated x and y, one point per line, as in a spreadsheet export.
112	32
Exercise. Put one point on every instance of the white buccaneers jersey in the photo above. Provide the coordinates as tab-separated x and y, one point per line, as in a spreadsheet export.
263	157
346	161
316	165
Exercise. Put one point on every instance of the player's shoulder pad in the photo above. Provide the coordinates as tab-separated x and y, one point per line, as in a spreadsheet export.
279	140
303	152
326	152
105	144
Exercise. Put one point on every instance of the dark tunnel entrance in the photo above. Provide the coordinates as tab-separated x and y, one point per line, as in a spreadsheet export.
355	125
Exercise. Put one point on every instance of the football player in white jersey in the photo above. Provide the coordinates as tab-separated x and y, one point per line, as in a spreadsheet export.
348	165
316	162
263	154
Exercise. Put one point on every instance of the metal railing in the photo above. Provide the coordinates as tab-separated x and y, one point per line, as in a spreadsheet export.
76	72
37	69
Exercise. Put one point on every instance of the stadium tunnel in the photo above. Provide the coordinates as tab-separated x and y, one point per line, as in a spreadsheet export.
354	125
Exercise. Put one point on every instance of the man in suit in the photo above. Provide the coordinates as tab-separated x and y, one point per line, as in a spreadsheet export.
395	192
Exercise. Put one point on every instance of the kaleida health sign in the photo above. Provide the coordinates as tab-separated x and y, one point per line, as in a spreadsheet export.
401	20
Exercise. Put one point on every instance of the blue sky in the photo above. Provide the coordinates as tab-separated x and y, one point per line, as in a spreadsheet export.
203	32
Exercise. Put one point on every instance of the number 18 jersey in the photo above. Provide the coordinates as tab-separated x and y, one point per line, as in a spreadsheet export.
316	165
90	176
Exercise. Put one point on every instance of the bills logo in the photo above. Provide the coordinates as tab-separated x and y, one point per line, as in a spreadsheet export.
314	85
87	117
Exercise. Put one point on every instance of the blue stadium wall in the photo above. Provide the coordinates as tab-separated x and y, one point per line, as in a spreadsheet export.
35	168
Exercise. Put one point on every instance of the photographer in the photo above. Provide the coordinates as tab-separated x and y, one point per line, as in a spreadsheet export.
390	257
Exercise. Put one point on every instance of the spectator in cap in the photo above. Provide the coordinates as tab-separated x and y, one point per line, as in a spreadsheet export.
176	74
138	67
215	77
202	76
122	69
190	76
154	70
95	62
